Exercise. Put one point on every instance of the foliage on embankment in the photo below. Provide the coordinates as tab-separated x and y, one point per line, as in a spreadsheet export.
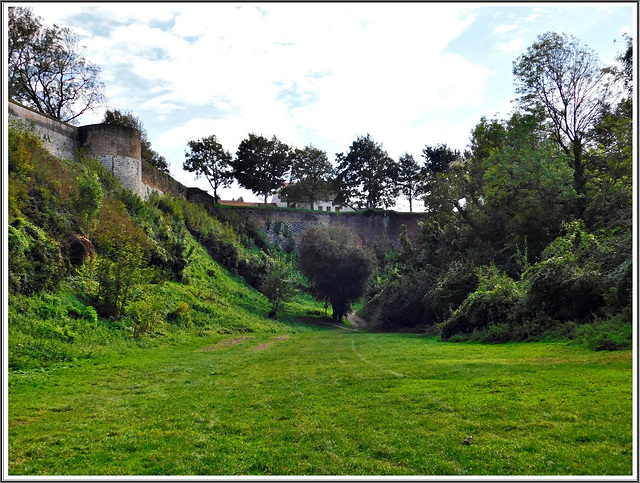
91	265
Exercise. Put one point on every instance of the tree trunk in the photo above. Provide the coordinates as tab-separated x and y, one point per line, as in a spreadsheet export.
579	178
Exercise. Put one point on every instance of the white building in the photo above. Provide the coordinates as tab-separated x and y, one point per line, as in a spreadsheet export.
321	205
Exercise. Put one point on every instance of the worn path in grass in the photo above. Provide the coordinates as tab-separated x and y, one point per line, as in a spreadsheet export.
329	402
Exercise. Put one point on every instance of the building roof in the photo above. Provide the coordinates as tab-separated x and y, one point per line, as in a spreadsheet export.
243	203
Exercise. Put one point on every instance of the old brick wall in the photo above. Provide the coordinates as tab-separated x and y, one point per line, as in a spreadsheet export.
155	180
373	228
59	138
118	149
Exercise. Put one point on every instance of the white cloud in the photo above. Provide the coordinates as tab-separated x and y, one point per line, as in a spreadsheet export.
513	46
503	29
359	68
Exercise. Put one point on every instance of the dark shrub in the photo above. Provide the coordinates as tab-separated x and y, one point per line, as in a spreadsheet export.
494	302
452	289
563	291
35	261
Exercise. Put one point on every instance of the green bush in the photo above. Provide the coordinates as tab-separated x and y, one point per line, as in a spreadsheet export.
397	299
146	314
180	316
452	289
494	302
563	291
611	334
46	328
35	259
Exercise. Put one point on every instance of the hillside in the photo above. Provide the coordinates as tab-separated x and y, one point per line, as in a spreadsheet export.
139	345
93	268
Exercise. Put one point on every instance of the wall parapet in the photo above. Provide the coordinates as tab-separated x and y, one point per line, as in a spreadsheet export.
60	138
373	228
117	147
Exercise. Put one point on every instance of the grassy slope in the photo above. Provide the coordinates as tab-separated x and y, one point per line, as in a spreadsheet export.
328	402
54	327
215	302
294	399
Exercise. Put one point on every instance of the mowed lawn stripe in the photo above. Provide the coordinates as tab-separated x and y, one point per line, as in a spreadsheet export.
328	402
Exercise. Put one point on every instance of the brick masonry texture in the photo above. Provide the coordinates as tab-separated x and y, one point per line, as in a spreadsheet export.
60	138
118	148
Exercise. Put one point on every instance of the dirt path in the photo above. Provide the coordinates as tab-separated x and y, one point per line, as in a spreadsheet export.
356	321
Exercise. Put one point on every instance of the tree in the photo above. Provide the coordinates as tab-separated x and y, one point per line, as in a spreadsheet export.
562	76
409	178
128	119
207	158
446	181
486	137
279	284
367	176
527	189
88	200
311	170
611	153
261	164
438	158
47	70
336	264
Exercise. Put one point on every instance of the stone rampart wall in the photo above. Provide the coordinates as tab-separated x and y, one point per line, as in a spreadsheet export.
61	139
373	228
117	148
155	180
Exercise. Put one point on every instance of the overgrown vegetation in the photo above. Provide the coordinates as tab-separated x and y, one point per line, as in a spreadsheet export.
515	244
92	266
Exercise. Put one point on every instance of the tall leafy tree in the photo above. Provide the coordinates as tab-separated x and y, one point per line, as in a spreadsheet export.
611	152
206	157
311	172
527	189
128	119
336	264
87	201
445	180
47	70
486	137
261	164
410	179
367	176
564	77
438	158
279	284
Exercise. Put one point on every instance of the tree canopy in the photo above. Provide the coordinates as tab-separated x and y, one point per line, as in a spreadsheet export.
367	175
47	70
564	78
206	157
261	164
336	264
310	174
410	178
503	253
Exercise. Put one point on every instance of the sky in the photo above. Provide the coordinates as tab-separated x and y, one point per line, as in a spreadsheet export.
321	74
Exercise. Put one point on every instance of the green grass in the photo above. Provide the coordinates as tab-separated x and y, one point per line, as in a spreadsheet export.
326	402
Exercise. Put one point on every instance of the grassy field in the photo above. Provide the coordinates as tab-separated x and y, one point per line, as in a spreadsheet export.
326	402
